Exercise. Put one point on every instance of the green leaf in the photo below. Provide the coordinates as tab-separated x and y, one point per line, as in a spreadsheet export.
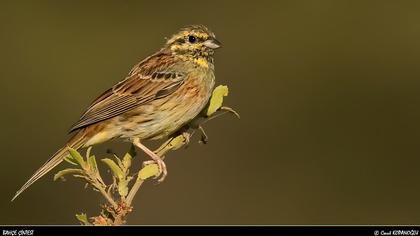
114	167
216	99
82	177
119	162
77	157
148	171
123	187
70	160
82	217
66	172
126	161
177	142
92	163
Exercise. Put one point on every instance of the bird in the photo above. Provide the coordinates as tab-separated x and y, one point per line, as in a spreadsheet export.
159	95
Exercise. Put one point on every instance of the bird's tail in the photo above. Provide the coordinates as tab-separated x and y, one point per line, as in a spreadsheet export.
76	142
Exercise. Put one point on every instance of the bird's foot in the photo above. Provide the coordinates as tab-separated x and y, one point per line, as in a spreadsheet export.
161	166
155	160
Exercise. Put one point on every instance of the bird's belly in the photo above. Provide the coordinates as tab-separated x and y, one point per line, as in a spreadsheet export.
161	122
162	117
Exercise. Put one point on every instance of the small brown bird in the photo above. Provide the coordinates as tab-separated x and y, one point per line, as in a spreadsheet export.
160	95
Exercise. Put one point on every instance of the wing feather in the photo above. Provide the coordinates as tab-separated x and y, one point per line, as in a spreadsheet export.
154	78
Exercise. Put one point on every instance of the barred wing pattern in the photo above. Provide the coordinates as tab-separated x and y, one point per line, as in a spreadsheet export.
145	83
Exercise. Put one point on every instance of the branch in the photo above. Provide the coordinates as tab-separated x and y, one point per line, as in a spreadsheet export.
118	194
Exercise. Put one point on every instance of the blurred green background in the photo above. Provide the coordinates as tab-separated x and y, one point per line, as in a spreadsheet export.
328	92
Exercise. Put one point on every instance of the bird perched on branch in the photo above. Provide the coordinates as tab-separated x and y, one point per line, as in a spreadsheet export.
160	95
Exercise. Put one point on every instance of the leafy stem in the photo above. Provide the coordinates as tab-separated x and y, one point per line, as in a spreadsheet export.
120	193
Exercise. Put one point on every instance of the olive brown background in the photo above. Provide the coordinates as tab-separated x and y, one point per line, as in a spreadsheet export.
328	92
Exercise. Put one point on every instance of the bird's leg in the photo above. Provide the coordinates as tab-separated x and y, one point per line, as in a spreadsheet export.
156	159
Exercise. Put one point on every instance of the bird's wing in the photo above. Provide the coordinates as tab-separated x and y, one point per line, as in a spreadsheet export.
151	79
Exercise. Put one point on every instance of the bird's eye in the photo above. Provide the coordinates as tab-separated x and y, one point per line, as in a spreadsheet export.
192	39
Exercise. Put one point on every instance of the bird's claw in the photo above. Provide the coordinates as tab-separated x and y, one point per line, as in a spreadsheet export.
161	167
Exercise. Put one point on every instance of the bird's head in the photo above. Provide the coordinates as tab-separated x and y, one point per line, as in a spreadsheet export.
196	41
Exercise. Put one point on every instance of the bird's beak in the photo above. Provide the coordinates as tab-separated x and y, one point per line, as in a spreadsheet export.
212	43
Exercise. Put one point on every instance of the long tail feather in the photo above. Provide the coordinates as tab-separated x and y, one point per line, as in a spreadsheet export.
76	142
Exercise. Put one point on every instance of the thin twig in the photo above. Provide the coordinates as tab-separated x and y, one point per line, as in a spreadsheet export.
133	191
107	197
